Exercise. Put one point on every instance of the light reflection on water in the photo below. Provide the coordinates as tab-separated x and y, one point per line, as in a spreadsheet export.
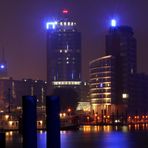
133	136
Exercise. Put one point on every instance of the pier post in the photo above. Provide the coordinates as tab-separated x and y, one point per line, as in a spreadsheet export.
53	121
29	128
2	140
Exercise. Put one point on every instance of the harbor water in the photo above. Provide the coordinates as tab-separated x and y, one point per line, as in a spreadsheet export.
134	136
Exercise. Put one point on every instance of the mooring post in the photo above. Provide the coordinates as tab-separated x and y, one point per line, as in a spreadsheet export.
29	128
53	121
2	140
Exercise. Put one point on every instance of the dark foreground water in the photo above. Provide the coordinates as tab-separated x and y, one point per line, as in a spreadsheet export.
92	137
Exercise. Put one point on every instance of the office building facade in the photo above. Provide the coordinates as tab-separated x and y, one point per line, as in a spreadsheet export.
63	54
121	43
102	84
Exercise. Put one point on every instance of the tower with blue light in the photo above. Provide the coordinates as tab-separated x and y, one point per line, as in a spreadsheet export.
63	52
121	43
3	65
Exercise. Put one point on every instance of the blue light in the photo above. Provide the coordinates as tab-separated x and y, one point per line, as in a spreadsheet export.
101	85
2	66
51	25
113	23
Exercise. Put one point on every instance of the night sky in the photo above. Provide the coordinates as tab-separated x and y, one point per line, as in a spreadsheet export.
23	32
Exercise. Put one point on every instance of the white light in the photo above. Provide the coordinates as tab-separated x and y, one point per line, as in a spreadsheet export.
61	23
51	24
60	51
64	23
68	23
125	96
66	82
113	23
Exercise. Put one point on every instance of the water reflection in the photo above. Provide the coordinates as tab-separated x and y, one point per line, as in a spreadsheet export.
133	136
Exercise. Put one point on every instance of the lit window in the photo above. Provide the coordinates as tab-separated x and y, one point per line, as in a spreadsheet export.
60	51
66	51
64	23
68	23
67	62
101	85
71	23
125	96
132	71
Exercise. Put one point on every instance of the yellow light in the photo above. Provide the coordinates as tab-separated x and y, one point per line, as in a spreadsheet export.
64	114
41	122
6	117
7	133
10	123
60	114
11	133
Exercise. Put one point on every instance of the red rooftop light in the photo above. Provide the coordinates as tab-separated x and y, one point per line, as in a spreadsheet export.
65	11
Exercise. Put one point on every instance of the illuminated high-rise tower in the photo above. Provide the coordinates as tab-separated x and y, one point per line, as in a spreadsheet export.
63	53
121	43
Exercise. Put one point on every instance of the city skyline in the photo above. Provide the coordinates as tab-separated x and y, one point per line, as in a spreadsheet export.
23	32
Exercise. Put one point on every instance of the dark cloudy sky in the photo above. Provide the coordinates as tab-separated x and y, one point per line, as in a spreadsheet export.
23	32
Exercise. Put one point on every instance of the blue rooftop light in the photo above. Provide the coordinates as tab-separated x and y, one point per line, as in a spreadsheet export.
51	25
2	66
113	23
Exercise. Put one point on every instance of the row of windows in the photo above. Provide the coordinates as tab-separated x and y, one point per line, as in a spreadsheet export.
66	62
100	69
100	75
101	96
101	80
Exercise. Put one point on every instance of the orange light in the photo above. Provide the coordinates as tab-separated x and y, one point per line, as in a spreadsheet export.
69	110
95	115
